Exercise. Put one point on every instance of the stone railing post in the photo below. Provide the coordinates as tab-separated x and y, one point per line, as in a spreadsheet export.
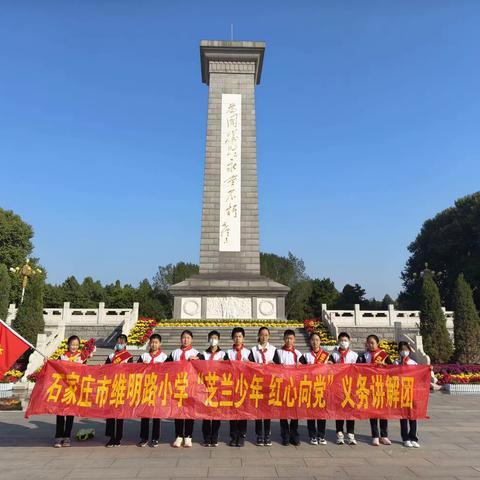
101	313
11	314
391	315
66	313
357	315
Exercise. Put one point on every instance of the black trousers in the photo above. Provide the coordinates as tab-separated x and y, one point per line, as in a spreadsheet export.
262	427
145	427
289	431
383	427
183	428
317	430
408	433
210	429
64	426
238	428
114	428
350	425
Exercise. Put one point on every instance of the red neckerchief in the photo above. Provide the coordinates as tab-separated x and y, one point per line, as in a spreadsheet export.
214	353
405	360
120	356
263	351
378	356
238	349
72	357
183	357
291	349
153	356
320	357
343	354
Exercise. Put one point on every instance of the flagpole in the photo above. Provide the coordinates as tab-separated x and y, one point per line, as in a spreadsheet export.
21	338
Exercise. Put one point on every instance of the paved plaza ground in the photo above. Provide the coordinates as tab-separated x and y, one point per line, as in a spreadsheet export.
450	449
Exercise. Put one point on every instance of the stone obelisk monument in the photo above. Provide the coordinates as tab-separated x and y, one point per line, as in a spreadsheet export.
229	284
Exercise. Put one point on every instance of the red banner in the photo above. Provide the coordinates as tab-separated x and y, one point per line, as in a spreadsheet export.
231	391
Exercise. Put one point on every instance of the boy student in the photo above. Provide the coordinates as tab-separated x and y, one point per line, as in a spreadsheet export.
263	353
374	355
408	428
114	426
184	427
154	355
65	423
316	356
342	354
240	353
289	355
210	428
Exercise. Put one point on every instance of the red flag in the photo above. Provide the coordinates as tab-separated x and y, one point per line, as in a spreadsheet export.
12	346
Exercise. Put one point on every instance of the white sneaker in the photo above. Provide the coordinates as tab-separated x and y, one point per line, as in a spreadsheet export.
178	442
376	442
340	438
385	441
351	439
408	444
188	442
415	444
321	441
313	441
58	443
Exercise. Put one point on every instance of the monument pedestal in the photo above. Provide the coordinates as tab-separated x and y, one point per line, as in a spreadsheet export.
225	295
229	284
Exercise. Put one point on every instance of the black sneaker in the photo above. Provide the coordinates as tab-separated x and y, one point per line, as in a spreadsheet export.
233	442
206	442
117	443
295	441
267	442
241	441
154	443
260	441
285	442
142	443
214	442
110	443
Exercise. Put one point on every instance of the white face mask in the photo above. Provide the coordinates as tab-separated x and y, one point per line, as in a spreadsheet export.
344	344
404	353
213	342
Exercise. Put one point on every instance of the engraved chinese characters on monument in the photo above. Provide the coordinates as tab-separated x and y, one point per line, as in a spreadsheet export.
230	173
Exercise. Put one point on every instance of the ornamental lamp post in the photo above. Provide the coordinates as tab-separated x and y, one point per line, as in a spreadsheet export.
26	271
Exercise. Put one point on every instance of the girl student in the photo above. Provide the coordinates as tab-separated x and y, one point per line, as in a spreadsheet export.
240	353
210	428
114	426
186	352
64	424
343	355
264	353
316	356
374	355
154	355
408	428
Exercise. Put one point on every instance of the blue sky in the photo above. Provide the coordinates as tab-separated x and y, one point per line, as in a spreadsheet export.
367	124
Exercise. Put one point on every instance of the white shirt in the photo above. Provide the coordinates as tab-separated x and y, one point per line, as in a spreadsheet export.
350	357
269	354
176	354
218	355
288	358
232	354
147	358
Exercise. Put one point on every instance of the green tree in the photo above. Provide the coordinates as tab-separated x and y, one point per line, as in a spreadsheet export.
449	243
466	324
15	239
5	285
387	300
296	304
150	304
351	295
323	291
288	270
433	326
29	319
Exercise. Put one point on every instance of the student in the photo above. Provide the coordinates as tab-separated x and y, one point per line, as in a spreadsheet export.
316	356
289	355
374	355
263	353
342	354
65	423
154	355
210	428
114	427
408	428
238	352
184	427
